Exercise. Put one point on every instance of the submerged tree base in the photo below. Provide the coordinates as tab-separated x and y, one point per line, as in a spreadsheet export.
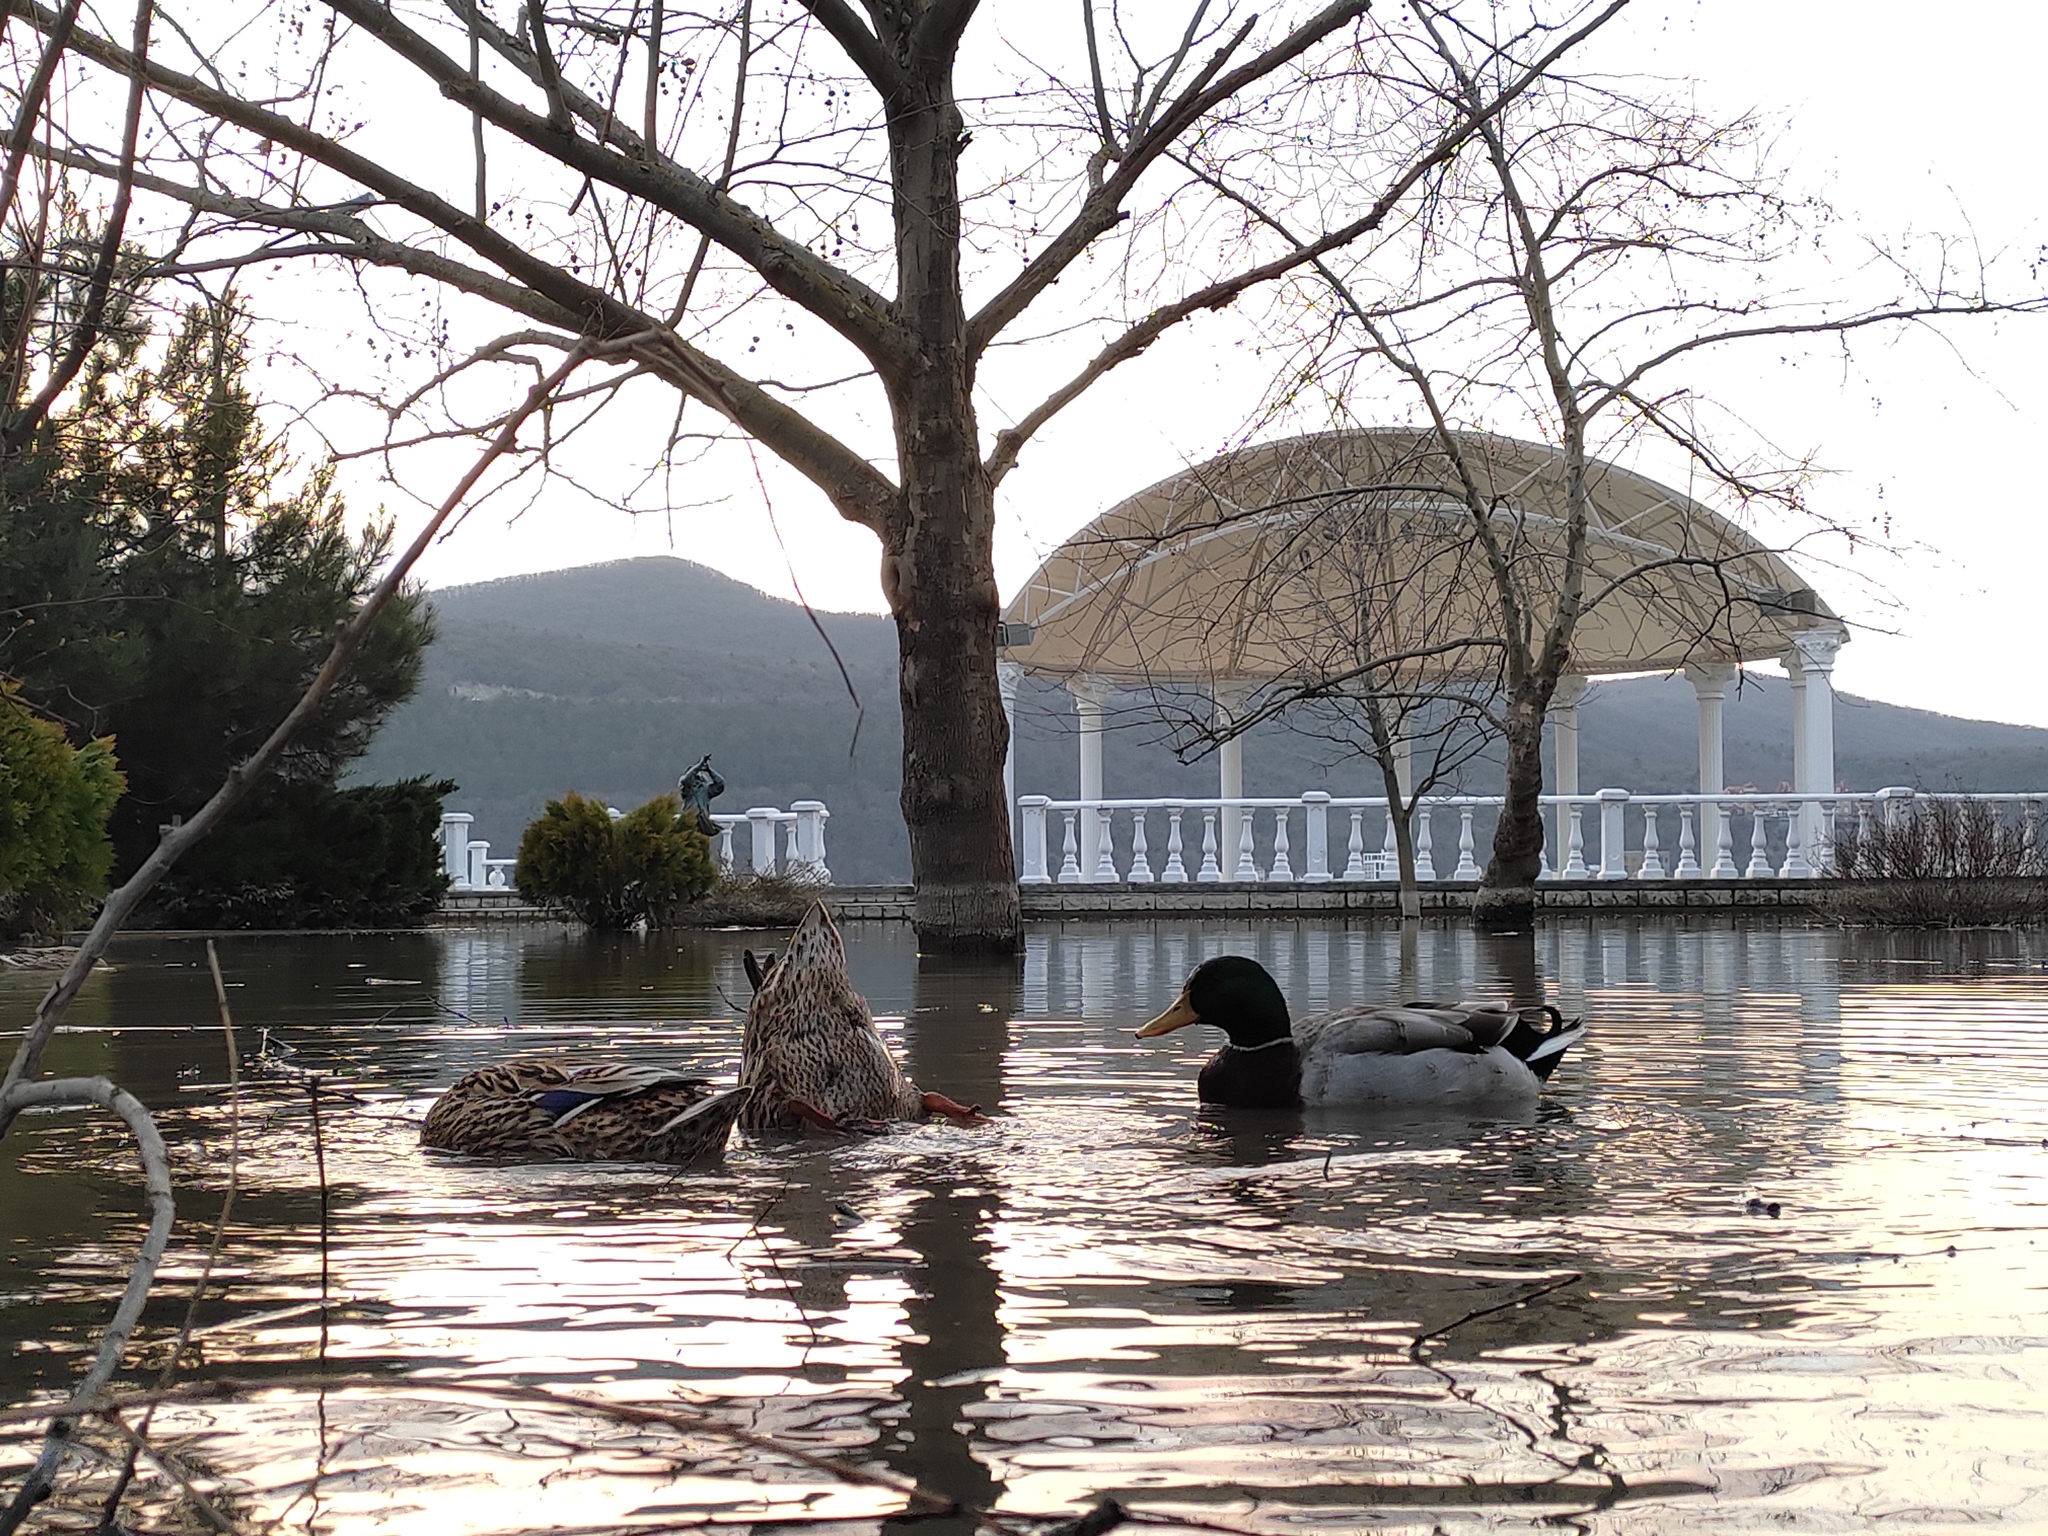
1504	909
980	918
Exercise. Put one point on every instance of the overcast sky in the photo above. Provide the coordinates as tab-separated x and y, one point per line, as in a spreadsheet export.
1908	120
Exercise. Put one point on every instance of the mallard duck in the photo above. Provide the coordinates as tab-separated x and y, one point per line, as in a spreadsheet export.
537	1110
1413	1053
810	1049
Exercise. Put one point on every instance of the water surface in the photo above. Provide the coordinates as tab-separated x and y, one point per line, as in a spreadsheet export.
1265	1321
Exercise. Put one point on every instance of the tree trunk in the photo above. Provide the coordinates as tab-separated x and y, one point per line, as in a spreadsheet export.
954	733
1507	895
1402	815
938	560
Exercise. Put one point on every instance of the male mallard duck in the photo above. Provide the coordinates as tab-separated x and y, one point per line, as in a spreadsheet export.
1417	1053
810	1050
538	1110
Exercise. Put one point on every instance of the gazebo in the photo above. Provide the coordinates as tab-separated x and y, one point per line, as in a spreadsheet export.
1244	571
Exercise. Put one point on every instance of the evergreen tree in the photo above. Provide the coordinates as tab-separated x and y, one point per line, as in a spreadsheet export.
160	585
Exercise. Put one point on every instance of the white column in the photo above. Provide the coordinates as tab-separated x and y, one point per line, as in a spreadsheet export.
1795	676
1009	679
1227	698
1564	719
1404	767
1090	694
1710	681
1813	769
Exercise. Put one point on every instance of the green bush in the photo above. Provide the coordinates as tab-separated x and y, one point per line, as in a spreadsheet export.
614	874
54	803
307	855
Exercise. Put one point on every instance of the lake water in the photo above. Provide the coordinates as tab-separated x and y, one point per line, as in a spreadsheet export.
1258	1322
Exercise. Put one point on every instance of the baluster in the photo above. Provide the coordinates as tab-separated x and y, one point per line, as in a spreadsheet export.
1724	846
1283	867
1468	867
1210	870
1070	863
1543	846
725	847
1425	864
1796	867
1688	854
1821	858
1354	865
1575	846
1141	867
1390	853
1759	850
1653	862
1175	873
1105	860
1247	866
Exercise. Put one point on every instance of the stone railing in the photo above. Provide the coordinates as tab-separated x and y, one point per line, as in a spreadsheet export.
1610	834
790	842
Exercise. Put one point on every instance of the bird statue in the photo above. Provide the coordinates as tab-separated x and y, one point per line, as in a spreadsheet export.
1409	1054
534	1110
810	1050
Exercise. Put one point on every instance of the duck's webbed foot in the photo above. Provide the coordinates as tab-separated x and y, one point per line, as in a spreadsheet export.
958	1113
839	1125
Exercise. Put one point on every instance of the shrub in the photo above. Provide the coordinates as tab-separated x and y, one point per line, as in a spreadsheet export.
308	855
753	901
1950	863
54	803
614	874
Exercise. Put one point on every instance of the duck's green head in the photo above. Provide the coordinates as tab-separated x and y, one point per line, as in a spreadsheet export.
1236	995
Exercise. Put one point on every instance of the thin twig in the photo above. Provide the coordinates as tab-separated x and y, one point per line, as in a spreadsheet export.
681	1420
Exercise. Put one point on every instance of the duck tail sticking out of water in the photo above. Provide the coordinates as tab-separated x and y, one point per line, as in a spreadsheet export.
810	1049
1540	1050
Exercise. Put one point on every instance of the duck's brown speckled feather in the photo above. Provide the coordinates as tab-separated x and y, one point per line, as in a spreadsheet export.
638	1114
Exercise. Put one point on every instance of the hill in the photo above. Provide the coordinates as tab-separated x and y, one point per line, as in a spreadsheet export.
612	679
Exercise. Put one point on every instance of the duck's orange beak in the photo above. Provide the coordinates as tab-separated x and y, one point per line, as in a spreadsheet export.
1179	1016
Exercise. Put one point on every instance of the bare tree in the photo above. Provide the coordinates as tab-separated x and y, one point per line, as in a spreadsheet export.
1559	283
785	189
1348	609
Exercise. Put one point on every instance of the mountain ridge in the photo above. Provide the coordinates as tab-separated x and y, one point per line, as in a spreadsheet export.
611	679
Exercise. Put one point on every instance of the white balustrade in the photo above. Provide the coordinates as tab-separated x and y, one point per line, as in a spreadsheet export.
790	842
1789	836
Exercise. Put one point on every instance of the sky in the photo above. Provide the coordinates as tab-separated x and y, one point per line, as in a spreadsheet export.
1907	120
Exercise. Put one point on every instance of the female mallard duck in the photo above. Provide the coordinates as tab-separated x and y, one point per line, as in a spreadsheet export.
1417	1053
810	1050
631	1114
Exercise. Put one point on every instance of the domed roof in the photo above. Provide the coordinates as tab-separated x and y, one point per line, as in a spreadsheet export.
1322	551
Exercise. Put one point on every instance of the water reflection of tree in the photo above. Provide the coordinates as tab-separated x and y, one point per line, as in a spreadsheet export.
955	1037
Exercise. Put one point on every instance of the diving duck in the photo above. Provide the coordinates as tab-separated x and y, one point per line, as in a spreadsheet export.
1412	1054
810	1050
535	1110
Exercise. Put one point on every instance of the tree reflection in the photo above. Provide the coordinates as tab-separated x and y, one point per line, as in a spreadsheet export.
955	1036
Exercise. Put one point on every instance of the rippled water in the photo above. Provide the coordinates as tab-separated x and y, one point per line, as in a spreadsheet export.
1265	1321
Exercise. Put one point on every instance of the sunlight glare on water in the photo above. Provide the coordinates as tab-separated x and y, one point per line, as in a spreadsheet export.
1272	1321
